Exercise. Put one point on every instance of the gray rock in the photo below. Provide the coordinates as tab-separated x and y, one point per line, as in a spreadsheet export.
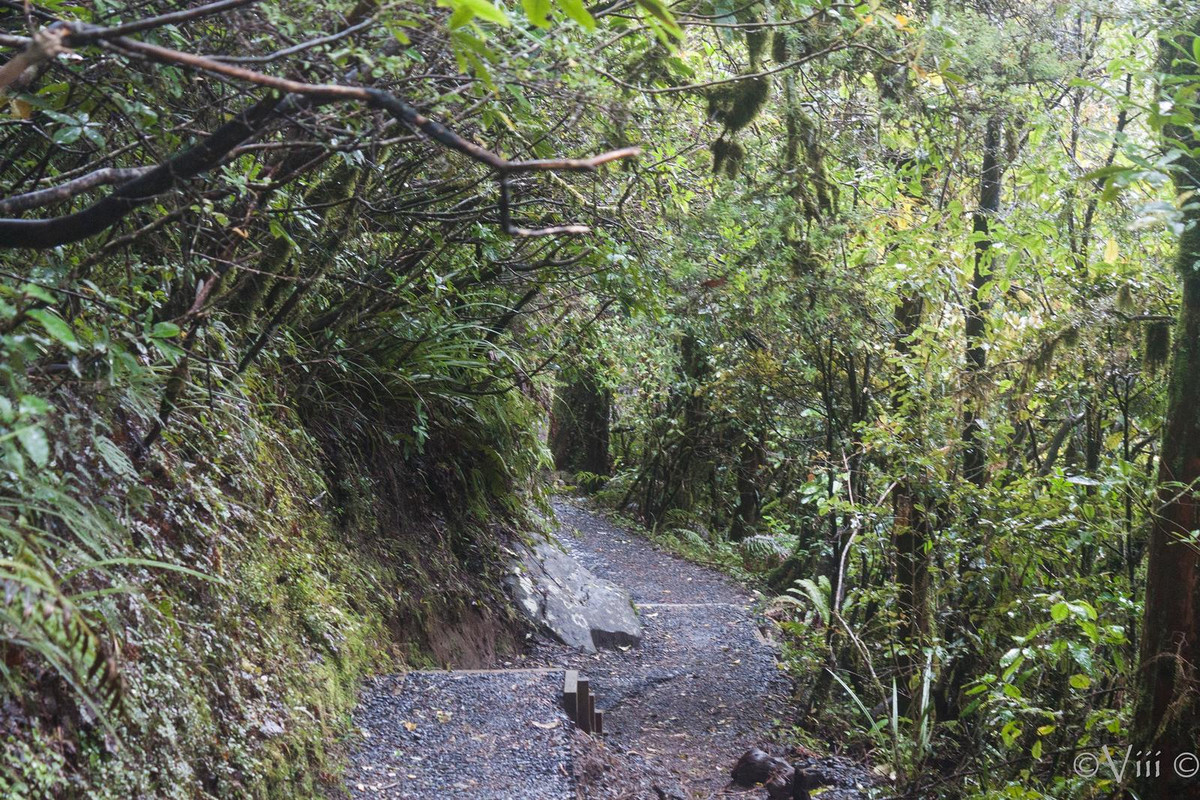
560	595
270	729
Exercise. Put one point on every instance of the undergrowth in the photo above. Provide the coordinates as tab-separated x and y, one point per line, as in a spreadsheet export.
197	623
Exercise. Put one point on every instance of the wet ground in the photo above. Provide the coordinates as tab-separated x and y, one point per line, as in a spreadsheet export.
680	708
463	735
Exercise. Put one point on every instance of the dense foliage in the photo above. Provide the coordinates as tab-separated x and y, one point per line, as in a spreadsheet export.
880	313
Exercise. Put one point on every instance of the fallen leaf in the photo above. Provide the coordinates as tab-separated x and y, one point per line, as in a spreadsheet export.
545	725
409	726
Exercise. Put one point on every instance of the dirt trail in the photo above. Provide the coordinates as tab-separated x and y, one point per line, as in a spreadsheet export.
701	688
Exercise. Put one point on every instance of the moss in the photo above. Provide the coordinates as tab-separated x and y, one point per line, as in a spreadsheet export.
737	104
756	44
1157	345
780	46
727	156
245	688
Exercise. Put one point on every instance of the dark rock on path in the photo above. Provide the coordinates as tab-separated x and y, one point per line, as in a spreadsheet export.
561	596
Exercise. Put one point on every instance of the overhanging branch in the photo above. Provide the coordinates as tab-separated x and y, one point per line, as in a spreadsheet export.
47	233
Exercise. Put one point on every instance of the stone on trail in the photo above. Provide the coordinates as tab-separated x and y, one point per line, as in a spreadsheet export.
755	767
562	596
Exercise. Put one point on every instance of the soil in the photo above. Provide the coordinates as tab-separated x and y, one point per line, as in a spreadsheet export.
703	687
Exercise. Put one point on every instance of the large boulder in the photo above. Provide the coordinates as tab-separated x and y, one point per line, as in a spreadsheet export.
563	597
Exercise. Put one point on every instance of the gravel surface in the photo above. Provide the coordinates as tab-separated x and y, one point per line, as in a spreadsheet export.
651	575
702	687
496	735
680	708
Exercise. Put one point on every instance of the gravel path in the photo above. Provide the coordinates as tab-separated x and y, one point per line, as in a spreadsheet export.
497	735
701	688
680	708
650	575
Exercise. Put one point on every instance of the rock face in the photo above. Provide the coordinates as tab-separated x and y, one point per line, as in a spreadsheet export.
560	595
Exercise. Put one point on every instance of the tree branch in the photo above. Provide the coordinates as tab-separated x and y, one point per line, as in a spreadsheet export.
67	190
42	234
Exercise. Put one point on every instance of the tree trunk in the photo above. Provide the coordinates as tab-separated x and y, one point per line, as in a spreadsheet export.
1167	716
974	455
751	459
911	529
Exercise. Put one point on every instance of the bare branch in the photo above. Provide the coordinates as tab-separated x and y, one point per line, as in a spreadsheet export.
297	48
65	191
45	233
45	45
60	36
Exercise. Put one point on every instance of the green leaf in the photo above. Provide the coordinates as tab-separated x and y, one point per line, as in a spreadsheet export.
34	440
115	457
93	135
1104	172
66	135
461	16
1060	611
578	12
165	330
536	11
485	10
1080	681
663	14
32	290
57	327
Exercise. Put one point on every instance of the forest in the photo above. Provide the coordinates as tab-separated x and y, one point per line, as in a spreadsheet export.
888	311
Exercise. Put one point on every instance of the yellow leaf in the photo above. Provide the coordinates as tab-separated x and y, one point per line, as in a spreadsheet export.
1111	252
901	21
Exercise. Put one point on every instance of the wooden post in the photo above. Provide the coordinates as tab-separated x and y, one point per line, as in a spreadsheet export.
570	693
592	711
598	724
583	713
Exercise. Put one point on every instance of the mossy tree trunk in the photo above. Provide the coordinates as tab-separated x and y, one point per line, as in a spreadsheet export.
974	454
911	526
752	457
1167	716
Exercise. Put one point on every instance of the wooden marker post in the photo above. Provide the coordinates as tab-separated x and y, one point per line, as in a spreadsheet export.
570	693
583	708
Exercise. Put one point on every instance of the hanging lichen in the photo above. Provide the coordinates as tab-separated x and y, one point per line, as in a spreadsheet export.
756	43
780	47
804	259
1125	298
1158	344
728	156
756	38
737	104
892	81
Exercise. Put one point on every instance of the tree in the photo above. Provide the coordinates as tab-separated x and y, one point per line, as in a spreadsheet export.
1167	716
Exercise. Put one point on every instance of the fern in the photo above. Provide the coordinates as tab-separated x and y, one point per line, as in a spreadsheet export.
818	593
